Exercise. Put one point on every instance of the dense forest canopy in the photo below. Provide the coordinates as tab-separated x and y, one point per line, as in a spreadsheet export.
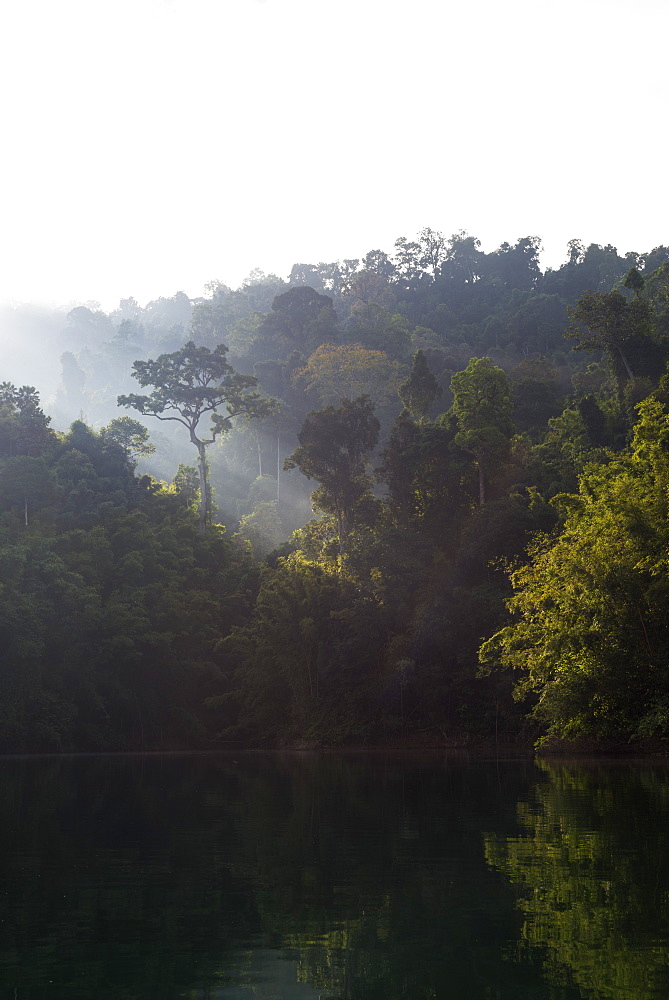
358	477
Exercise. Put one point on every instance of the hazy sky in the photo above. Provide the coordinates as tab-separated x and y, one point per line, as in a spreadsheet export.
153	145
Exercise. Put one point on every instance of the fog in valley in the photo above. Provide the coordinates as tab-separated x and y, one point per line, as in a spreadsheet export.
80	359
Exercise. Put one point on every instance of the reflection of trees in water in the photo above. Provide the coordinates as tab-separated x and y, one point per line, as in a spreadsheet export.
592	867
369	874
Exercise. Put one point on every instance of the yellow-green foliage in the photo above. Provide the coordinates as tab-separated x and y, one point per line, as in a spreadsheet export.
590	636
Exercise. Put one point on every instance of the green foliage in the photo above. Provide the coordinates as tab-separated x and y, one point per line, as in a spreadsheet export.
377	328
303	660
482	408
634	281
27	484
420	390
428	477
535	395
590	637
333	449
186	485
190	383
301	318
130	434
567	447
24	429
112	605
608	321
261	528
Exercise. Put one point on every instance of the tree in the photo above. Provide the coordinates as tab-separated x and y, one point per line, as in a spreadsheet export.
428	477
463	259
24	428
190	383
307	276
73	381
25	485
378	262
302	318
186	485
130	434
482	407
349	370
304	658
374	327
208	324
591	607
619	327
334	444
408	257
261	528
420	390
634	281
433	246
368	287
517	266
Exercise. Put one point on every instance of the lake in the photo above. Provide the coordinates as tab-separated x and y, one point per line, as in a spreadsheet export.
371	877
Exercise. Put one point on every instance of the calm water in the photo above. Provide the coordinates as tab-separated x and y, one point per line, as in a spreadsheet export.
307	876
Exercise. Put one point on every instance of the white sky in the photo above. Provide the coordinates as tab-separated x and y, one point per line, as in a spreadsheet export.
149	146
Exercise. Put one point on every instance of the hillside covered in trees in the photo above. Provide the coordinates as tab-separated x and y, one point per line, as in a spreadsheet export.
420	495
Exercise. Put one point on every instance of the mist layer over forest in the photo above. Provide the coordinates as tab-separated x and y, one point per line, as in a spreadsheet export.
438	433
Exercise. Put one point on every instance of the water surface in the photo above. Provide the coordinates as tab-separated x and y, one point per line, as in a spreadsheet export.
315	876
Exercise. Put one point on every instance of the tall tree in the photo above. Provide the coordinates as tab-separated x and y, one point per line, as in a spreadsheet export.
301	318
189	384
408	258
608	321
333	449
482	407
378	262
420	390
349	370
434	248
464	259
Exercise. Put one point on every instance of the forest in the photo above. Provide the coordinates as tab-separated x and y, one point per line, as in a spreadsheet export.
420	497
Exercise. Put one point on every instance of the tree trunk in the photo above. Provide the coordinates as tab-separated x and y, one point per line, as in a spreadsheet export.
481	482
204	485
341	528
625	362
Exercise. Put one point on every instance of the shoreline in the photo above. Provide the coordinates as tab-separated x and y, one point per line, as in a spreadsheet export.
609	749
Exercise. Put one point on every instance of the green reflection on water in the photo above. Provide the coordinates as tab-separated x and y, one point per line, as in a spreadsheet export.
592	867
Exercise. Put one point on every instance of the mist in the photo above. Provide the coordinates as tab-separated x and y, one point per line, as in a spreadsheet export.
304	337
